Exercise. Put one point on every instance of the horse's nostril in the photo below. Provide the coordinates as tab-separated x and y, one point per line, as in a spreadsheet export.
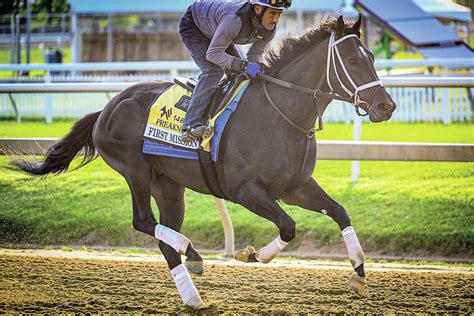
387	106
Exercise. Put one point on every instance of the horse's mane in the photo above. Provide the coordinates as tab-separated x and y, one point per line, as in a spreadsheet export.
291	47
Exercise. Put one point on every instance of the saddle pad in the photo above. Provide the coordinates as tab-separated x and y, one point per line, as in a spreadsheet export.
166	117
162	130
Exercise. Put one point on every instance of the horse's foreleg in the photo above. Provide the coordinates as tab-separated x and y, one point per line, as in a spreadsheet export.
312	197
169	197
255	197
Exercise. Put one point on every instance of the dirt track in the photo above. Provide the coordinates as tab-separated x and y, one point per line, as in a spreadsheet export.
36	284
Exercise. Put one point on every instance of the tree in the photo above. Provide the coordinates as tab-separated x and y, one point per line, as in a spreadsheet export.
9	7
50	6
38	6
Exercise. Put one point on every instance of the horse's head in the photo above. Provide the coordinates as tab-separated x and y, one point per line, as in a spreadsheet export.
350	71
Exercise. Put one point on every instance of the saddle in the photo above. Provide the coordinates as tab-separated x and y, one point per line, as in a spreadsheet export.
225	90
220	99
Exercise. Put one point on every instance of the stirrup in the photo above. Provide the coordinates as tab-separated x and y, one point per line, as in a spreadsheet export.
208	131
193	133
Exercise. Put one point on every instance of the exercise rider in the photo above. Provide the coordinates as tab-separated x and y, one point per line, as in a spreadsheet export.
209	31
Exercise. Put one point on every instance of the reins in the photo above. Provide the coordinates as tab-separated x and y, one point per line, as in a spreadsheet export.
317	93
354	99
309	133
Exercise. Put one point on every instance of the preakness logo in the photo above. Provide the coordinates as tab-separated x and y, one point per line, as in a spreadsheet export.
166	112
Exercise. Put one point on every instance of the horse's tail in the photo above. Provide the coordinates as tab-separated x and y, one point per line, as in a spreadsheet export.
59	156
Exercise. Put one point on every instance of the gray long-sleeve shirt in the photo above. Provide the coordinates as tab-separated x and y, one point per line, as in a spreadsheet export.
230	23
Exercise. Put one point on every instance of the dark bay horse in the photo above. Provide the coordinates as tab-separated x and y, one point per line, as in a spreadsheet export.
268	150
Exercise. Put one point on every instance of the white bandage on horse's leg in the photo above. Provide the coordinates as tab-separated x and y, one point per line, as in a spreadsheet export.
174	239
354	250
267	253
186	288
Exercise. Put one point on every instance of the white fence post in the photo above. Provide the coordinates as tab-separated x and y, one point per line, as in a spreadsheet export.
357	132
446	106
228	227
49	100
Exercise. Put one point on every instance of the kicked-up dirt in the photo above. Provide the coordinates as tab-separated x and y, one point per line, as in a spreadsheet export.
51	284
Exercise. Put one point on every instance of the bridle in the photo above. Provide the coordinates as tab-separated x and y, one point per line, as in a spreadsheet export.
354	98
333	53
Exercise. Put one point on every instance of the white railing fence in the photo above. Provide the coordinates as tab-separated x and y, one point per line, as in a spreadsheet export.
414	105
435	102
174	66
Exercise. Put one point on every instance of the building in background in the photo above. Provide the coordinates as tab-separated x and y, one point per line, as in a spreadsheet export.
147	30
123	30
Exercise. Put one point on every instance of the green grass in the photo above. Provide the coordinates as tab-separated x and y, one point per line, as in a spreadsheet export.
36	57
12	129
388	131
397	208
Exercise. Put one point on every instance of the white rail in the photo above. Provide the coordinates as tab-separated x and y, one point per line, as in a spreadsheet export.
424	81
114	66
327	150
190	65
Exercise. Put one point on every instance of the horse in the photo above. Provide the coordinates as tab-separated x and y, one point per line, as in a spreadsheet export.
268	148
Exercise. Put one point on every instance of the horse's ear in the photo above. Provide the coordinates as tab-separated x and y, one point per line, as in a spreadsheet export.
356	26
340	26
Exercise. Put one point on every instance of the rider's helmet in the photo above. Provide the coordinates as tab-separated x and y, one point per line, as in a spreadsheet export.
275	4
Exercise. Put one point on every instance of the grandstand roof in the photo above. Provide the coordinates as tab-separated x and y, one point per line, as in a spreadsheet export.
174	6
437	8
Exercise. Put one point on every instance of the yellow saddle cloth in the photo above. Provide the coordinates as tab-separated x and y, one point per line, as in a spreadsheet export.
166	117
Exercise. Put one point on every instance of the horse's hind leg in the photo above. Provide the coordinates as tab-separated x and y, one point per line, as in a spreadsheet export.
312	197
136	171
257	199
121	149
169	197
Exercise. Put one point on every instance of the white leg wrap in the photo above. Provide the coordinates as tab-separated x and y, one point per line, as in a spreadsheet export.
174	239
267	253
354	250
186	288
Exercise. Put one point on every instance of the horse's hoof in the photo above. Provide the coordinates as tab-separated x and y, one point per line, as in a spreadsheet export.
196	267
358	284
244	254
